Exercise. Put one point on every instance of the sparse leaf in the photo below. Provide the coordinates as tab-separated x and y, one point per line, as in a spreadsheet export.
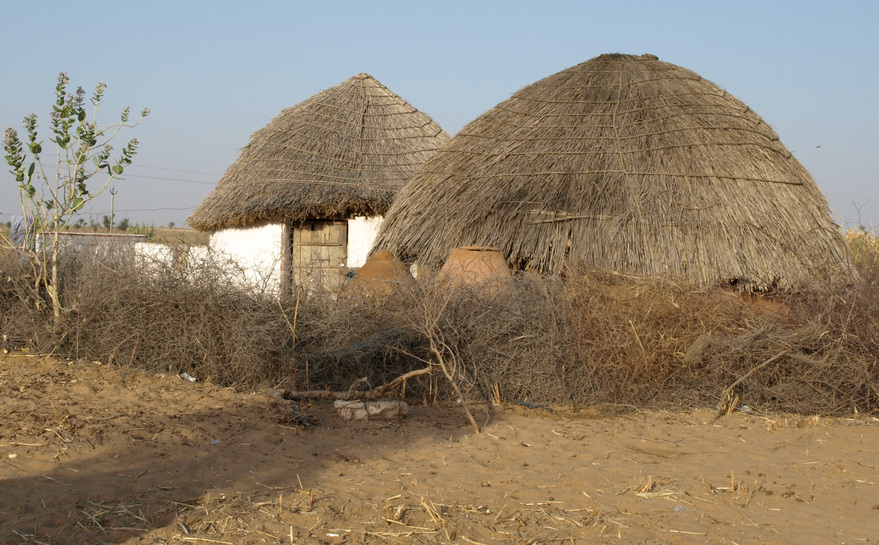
65	192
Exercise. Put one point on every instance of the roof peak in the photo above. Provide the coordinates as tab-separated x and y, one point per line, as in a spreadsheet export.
344	151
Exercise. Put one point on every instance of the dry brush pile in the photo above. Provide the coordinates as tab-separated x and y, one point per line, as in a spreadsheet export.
591	337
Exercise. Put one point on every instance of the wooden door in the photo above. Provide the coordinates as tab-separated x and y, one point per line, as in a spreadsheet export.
319	254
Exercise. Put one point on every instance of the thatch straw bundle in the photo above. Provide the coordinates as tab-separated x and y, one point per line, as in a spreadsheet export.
624	163
343	152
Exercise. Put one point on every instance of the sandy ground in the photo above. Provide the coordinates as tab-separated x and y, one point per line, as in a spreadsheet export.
92	454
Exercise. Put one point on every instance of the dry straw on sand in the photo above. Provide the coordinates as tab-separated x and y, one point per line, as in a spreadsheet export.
629	164
343	152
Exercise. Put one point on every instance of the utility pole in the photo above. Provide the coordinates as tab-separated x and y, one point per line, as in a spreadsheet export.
112	207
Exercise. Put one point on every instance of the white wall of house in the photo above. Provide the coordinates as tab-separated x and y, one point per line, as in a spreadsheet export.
253	253
153	252
361	235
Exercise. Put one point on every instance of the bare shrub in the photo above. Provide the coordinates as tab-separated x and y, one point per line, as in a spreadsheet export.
511	341
592	337
24	317
475	338
625	332
162	317
648	342
338	342
824	353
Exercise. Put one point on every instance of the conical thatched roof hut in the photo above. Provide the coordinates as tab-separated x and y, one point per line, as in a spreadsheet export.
343	152
304	199
624	163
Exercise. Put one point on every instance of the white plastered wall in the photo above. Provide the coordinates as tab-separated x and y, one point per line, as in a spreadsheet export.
361	235
253	254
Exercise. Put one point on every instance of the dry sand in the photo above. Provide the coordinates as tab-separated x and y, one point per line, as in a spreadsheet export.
92	454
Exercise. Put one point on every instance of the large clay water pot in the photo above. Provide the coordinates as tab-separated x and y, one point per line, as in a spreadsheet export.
475	266
381	275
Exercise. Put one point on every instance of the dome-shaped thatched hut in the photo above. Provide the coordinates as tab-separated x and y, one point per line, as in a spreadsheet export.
306	195
623	163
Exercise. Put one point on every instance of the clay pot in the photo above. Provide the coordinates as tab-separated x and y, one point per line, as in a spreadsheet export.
474	266
381	275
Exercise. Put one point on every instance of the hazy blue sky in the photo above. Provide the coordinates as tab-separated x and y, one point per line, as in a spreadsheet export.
213	72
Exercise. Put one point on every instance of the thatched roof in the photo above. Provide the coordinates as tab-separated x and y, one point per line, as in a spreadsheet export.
624	163
343	152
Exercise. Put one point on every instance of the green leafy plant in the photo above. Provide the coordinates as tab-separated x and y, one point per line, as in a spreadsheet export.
52	191
138	229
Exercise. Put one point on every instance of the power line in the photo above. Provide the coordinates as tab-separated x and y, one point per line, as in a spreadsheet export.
127	176
138	165
166	179
127	210
148	210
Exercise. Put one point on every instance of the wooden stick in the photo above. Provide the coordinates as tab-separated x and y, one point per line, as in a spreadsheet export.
371	394
725	396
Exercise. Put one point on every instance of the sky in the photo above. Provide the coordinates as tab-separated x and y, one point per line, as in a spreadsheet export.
213	72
